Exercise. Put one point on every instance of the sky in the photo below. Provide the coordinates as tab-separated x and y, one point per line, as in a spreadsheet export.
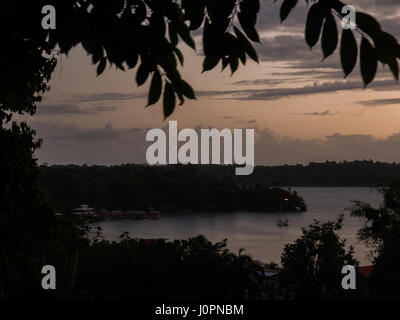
301	108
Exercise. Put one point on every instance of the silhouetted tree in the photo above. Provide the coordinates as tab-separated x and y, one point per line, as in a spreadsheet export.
382	231
146	33
312	265
31	236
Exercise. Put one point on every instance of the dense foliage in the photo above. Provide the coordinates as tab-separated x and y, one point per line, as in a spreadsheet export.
146	34
364	173
167	188
376	44
311	266
382	232
183	269
30	235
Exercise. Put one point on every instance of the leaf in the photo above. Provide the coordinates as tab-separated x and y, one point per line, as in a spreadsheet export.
169	100
242	55
173	36
248	18
387	50
394	67
140	13
97	54
184	33
174	75
368	61
213	40
194	12
142	74
179	55
329	39
183	87
234	63
132	59
348	51
286	8
212	9
248	27
246	44
119	65
166	56
250	6
386	46
210	62
368	24
101	66
155	89
157	24
315	18
225	62
181	98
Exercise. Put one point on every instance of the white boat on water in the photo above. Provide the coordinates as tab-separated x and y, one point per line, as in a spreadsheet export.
84	210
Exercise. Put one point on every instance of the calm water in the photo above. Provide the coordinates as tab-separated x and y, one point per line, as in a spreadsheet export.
257	232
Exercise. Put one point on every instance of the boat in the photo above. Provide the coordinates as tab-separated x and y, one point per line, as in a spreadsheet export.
130	214
104	213
139	214
154	215
115	215
84	210
282	223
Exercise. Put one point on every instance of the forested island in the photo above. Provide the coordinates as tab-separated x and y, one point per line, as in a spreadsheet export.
175	188
202	187
365	173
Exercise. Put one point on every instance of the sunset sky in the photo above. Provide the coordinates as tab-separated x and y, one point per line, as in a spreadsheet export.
300	107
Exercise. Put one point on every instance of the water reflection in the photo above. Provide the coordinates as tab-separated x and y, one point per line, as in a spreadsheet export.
257	232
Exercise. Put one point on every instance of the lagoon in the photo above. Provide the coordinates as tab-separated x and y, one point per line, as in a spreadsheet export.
257	232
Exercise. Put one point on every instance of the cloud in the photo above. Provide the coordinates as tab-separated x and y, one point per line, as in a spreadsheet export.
106	96
104	108
323	74
257	82
316	88
64	143
324	113
71	109
227	117
248	94
244	122
268	18
379	102
285	42
273	149
283	48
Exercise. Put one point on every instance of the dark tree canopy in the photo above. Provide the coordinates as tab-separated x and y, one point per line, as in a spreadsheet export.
146	33
311	266
381	231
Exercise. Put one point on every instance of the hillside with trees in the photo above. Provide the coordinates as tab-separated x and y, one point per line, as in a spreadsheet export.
179	188
167	188
365	173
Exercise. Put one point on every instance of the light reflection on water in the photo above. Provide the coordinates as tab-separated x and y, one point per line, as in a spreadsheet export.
255	231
